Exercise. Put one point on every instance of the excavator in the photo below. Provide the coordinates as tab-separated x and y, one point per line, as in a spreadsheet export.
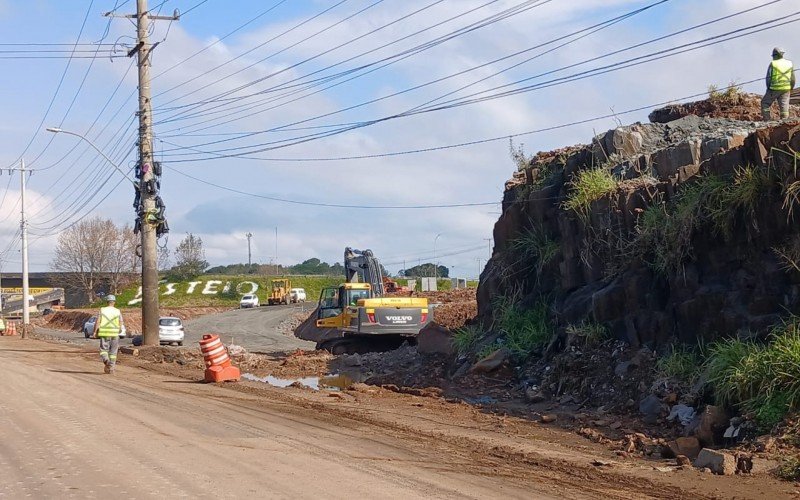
356	316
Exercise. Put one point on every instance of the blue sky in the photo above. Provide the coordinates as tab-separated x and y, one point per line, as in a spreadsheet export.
74	180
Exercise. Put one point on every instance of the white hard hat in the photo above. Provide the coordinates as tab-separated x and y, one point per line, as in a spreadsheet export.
111	298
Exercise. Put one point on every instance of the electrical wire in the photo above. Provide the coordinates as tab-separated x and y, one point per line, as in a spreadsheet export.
481	141
194	7
449	105
589	30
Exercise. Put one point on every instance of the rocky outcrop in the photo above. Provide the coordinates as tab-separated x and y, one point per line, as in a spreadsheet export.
722	280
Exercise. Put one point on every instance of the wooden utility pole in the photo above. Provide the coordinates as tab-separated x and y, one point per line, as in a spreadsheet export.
149	247
148	191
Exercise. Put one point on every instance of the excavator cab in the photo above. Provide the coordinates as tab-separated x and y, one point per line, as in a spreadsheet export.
338	304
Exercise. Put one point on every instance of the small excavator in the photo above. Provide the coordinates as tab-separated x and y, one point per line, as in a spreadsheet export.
357	317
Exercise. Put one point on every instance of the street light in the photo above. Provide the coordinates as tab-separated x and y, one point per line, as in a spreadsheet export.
149	273
435	268
57	130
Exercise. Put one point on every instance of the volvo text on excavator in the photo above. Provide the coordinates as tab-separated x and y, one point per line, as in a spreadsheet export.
356	316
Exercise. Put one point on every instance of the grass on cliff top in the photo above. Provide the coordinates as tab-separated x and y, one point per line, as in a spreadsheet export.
587	186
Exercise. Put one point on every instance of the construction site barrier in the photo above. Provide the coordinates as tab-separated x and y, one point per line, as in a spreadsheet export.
11	329
217	360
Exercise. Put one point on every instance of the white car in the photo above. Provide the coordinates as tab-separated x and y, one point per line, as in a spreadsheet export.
250	300
297	295
88	328
170	330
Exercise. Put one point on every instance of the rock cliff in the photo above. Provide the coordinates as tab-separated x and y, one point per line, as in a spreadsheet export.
684	228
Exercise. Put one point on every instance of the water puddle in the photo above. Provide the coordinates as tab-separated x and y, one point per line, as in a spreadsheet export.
332	382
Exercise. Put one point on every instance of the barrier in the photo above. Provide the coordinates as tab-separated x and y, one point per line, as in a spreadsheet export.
217	360
11	328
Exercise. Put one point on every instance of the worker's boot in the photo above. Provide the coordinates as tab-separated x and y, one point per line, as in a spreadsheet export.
108	369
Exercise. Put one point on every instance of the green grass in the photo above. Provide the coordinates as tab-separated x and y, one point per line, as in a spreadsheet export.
465	338
789	468
764	378
535	245
312	285
524	330
682	363
487	350
587	186
589	332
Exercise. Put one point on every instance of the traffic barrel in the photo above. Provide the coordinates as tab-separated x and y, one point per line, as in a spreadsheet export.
11	328
217	360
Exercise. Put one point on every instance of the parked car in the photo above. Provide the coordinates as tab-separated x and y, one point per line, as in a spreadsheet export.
250	300
297	295
88	328
170	330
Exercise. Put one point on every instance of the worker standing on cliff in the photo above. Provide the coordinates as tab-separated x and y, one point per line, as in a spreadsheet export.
780	82
108	327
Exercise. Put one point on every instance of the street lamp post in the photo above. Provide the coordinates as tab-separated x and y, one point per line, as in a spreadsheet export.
435	267
149	273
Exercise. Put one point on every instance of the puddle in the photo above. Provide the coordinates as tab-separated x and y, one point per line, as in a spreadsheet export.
332	382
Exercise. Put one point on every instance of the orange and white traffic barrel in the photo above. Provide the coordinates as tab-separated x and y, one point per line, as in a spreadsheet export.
217	360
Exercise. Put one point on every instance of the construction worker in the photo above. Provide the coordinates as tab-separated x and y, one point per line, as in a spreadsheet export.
2	325
780	82
108	327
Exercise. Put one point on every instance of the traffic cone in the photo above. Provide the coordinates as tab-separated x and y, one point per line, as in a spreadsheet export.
11	329
218	363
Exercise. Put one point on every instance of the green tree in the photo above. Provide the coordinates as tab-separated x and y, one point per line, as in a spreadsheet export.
425	271
190	258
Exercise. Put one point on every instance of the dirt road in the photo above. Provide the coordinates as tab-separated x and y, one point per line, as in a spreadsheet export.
256	329
69	431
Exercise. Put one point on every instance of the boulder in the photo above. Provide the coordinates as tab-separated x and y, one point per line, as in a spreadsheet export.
709	426
491	362
683	460
435	339
534	395
650	407
688	446
719	462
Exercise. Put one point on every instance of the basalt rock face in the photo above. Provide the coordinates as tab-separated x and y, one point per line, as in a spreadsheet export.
732	279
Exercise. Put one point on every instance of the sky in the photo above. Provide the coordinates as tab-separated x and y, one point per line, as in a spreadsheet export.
244	89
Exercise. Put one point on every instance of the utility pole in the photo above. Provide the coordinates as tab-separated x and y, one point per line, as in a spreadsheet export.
276	250
147	182
249	254
26	311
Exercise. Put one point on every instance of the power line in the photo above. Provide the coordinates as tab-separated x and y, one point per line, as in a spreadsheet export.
194	7
524	6
590	29
267	146
481	141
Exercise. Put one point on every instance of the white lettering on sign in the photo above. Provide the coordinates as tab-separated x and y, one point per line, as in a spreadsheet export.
136	299
211	287
240	287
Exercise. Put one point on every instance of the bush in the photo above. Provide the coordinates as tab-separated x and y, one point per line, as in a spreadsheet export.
682	363
764	379
789	468
525	330
587	186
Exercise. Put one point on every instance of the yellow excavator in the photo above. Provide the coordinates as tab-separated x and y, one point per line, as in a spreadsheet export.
356	316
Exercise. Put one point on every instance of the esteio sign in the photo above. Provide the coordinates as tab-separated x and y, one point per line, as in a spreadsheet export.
210	287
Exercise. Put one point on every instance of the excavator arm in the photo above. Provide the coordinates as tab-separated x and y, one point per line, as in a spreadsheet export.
363	267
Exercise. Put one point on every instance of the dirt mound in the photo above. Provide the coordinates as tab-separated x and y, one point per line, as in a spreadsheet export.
452	308
744	107
74	319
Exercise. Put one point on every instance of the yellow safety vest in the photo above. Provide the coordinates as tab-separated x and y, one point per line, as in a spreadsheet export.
110	322
782	70
2	324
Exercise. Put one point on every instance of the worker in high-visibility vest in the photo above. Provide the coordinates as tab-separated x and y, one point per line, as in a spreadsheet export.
108	328
780	82
2	325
